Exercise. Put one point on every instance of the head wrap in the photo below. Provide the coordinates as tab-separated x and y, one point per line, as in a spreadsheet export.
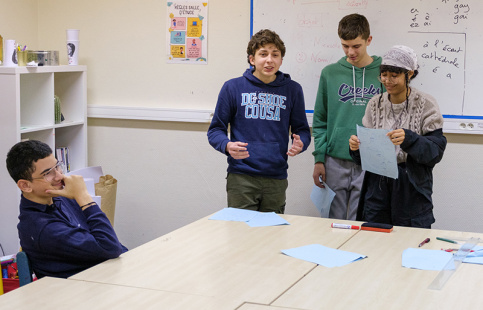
402	57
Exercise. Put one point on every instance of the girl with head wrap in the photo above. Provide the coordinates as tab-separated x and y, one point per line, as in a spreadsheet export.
415	128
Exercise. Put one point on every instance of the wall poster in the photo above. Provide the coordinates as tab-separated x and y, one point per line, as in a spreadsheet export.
187	32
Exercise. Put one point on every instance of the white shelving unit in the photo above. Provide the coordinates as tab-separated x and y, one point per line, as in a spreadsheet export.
27	112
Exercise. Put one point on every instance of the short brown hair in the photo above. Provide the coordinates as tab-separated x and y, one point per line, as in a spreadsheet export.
262	38
352	26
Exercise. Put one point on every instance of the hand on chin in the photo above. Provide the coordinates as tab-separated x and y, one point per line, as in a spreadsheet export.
58	186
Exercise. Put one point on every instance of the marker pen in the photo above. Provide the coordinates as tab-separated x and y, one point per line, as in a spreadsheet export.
344	226
424	242
447	240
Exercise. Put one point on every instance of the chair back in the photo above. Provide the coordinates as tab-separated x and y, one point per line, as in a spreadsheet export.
24	269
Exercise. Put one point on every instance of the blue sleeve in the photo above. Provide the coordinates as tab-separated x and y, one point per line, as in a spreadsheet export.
298	119
426	150
224	112
356	156
96	243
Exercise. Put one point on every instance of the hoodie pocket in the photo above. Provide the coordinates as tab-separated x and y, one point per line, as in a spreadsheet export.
339	142
266	157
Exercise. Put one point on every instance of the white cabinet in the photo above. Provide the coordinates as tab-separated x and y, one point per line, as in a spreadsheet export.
27	112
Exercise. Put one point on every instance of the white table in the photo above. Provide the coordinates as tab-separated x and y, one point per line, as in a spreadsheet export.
229	261
228	265
380	282
57	294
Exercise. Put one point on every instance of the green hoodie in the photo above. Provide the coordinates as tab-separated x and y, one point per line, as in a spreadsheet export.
338	108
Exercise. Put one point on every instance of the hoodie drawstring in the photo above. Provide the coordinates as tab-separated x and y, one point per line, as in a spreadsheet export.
354	82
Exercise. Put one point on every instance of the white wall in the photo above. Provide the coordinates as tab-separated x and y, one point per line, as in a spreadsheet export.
168	176
123	44
458	179
19	21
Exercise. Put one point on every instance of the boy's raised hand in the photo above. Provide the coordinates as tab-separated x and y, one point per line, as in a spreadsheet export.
297	146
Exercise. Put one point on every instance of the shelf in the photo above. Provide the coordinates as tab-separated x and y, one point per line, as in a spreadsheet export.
27	101
32	128
42	69
67	124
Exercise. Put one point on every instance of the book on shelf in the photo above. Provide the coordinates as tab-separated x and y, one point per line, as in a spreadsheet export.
62	155
59	117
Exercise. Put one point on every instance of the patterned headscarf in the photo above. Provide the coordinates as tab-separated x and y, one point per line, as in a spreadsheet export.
402	57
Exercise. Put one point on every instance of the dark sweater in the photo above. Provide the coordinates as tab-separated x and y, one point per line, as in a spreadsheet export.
61	239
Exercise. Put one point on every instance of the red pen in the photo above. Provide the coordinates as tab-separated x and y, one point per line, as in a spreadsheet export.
453	250
344	226
424	241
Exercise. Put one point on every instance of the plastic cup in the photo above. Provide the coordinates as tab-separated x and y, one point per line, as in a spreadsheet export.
22	58
73	52
10	54
72	34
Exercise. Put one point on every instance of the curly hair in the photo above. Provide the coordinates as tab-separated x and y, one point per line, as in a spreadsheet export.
262	38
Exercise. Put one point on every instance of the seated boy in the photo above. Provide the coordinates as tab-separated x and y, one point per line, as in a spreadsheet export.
61	229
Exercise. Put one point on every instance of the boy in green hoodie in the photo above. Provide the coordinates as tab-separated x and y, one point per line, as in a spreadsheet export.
345	88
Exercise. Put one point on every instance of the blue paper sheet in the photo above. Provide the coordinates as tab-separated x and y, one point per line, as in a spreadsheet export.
321	255
252	218
425	259
378	154
234	214
322	199
475	257
267	219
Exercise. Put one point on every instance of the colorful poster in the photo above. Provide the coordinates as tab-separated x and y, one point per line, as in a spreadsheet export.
187	26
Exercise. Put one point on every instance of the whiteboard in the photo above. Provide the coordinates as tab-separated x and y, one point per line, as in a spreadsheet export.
446	35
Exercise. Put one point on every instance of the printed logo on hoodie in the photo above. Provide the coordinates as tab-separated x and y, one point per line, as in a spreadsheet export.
263	106
360	97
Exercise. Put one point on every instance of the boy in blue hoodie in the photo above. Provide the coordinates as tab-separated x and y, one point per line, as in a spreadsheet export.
345	88
262	107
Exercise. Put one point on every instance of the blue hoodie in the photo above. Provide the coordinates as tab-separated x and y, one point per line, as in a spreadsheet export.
261	115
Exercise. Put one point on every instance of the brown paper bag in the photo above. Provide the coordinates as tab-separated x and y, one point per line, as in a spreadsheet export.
107	188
